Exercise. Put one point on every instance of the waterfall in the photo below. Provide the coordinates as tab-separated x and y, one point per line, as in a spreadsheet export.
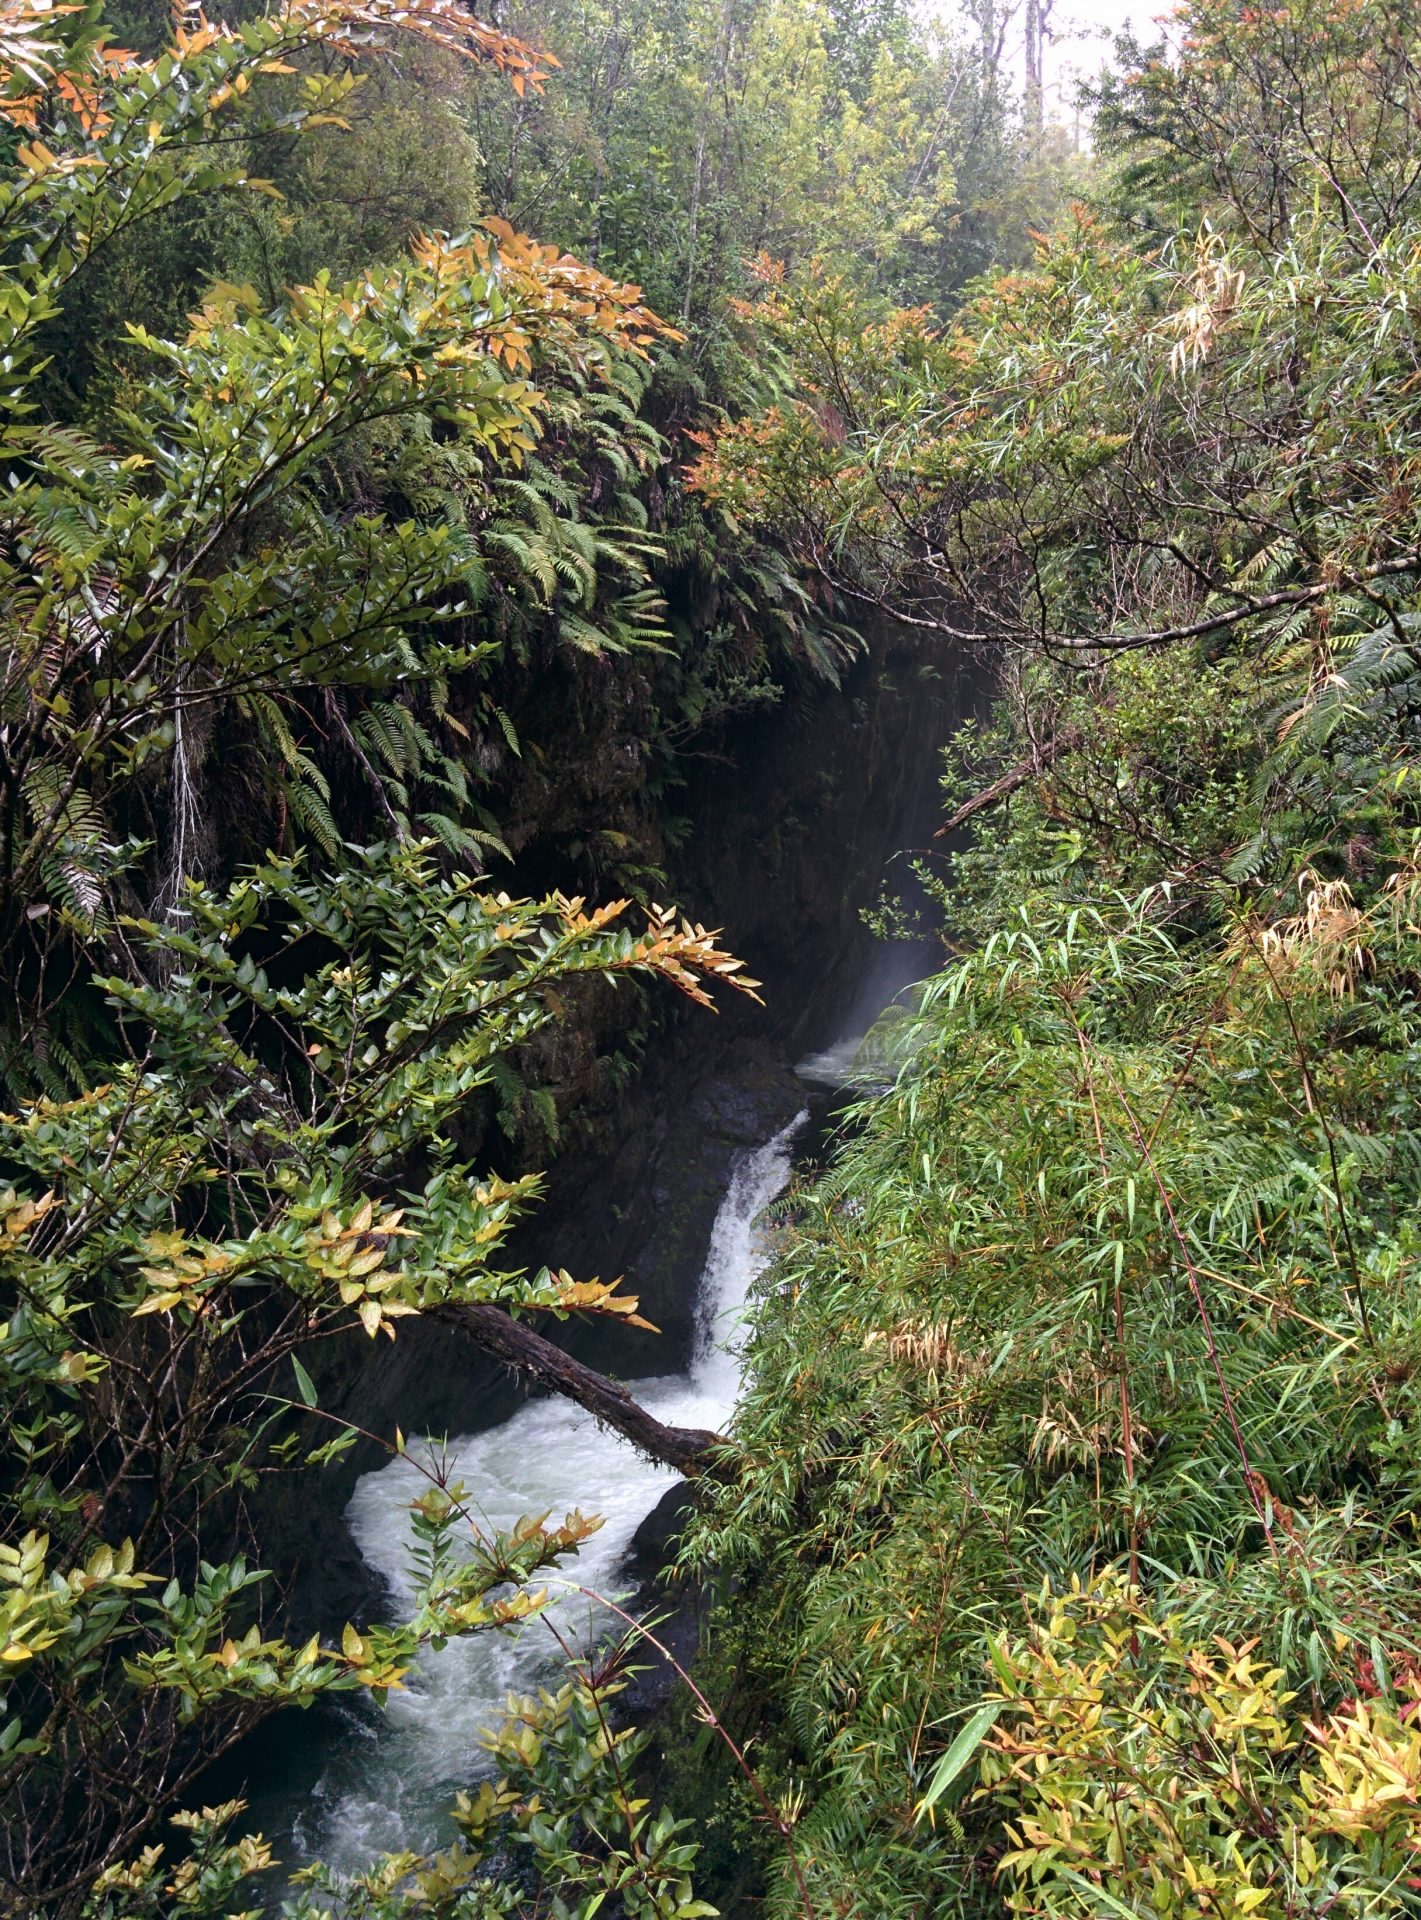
388	1787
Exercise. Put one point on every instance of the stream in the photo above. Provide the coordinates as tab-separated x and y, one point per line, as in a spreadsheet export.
709	1152
389	1788
387	1784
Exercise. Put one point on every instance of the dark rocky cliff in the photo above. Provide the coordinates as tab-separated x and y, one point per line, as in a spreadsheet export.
795	819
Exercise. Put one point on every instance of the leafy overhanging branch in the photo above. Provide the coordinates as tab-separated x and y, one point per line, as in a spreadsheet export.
272	1169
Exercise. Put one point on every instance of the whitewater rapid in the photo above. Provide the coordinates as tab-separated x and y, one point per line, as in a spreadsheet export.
389	1788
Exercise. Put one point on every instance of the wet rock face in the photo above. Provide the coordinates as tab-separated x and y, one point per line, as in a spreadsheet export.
810	819
655	1539
678	1608
645	1211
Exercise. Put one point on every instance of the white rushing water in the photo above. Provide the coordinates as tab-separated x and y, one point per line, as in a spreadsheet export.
866	1062
388	1790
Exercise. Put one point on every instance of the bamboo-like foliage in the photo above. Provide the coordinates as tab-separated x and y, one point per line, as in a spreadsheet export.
1119	1275
1079	1487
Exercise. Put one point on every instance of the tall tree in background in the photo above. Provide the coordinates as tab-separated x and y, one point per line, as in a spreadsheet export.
691	141
1038	13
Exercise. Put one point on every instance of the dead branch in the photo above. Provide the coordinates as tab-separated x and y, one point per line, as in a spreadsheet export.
1035	762
688	1449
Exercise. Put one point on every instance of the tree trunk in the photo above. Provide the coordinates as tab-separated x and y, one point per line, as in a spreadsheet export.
1036	12
715	84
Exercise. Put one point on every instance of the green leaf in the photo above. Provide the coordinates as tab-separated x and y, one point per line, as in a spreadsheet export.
960	1753
305	1386
1106	1899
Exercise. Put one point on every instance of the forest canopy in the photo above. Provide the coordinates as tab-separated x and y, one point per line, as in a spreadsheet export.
420	435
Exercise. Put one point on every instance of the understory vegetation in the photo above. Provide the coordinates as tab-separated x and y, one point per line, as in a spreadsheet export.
357	624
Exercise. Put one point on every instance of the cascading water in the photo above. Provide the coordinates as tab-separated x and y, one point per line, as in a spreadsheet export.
382	1780
388	1788
870	1051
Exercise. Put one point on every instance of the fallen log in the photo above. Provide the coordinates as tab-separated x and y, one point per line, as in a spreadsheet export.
688	1449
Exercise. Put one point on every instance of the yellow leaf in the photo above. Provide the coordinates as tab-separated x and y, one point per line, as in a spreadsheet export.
157	1303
